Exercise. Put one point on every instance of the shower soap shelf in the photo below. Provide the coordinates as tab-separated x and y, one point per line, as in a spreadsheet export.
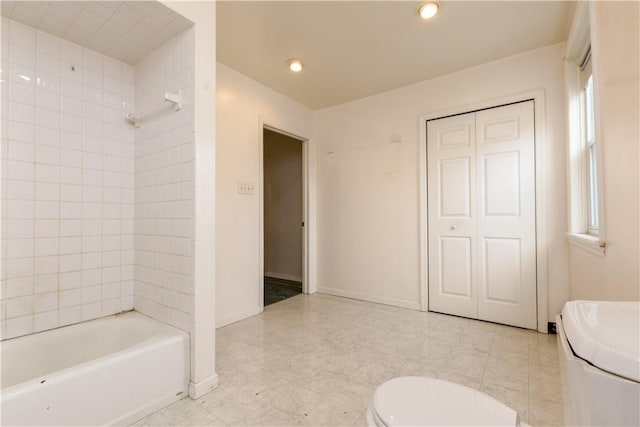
173	98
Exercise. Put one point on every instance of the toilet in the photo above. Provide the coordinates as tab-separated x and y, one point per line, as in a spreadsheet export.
423	401
599	351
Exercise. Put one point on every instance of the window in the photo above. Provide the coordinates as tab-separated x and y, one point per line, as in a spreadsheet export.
590	153
586	218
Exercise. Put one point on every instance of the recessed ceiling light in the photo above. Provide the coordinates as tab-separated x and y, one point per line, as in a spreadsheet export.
428	10
295	65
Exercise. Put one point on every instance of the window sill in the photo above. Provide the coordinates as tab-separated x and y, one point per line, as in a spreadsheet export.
588	242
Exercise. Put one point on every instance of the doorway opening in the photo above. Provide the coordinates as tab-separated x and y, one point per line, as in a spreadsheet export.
283	182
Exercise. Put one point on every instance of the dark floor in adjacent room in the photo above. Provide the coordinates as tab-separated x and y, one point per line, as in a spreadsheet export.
279	289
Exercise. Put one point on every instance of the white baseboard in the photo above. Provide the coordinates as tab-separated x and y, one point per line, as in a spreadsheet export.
284	276
199	389
237	317
413	305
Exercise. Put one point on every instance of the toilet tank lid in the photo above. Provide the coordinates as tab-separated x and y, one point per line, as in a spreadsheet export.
606	334
423	401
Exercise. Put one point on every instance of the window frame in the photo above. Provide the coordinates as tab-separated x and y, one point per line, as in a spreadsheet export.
585	190
589	147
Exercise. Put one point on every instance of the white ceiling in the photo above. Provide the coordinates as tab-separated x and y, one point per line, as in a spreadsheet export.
125	30
354	49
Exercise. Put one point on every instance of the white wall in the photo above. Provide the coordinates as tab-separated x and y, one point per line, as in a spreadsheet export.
241	102
68	184
203	15
164	199
615	47
368	187
282	206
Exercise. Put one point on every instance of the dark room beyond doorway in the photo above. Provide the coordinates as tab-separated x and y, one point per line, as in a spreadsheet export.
283	216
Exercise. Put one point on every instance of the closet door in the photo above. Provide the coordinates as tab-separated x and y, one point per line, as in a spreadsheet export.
506	224
481	210
451	200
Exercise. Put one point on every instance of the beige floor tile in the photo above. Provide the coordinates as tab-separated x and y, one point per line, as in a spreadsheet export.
329	414
375	372
454	377
477	327
270	416
290	398
316	360
234	412
545	413
422	367
511	332
203	419
543	352
478	341
351	395
516	400
470	364
544	382
513	347
511	373
447	333
175	414
433	348
324	383
543	341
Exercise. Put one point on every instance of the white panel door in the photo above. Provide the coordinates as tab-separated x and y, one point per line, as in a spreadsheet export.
451	199
481	201
506	241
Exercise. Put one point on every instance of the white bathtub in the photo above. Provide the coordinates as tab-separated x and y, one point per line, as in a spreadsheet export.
108	371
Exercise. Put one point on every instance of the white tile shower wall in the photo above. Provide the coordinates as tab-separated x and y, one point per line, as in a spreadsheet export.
67	193
164	185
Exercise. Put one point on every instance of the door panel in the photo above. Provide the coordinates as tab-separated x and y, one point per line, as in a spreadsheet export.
481	204
455	137
455	266
500	260
451	198
501	178
506	221
506	128
455	179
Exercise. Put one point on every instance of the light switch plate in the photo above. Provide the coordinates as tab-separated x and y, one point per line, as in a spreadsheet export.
245	187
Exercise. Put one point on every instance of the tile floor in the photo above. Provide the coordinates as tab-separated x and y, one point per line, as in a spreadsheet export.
316	360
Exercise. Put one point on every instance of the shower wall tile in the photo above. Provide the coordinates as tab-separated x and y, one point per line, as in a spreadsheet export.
67	185
164	182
